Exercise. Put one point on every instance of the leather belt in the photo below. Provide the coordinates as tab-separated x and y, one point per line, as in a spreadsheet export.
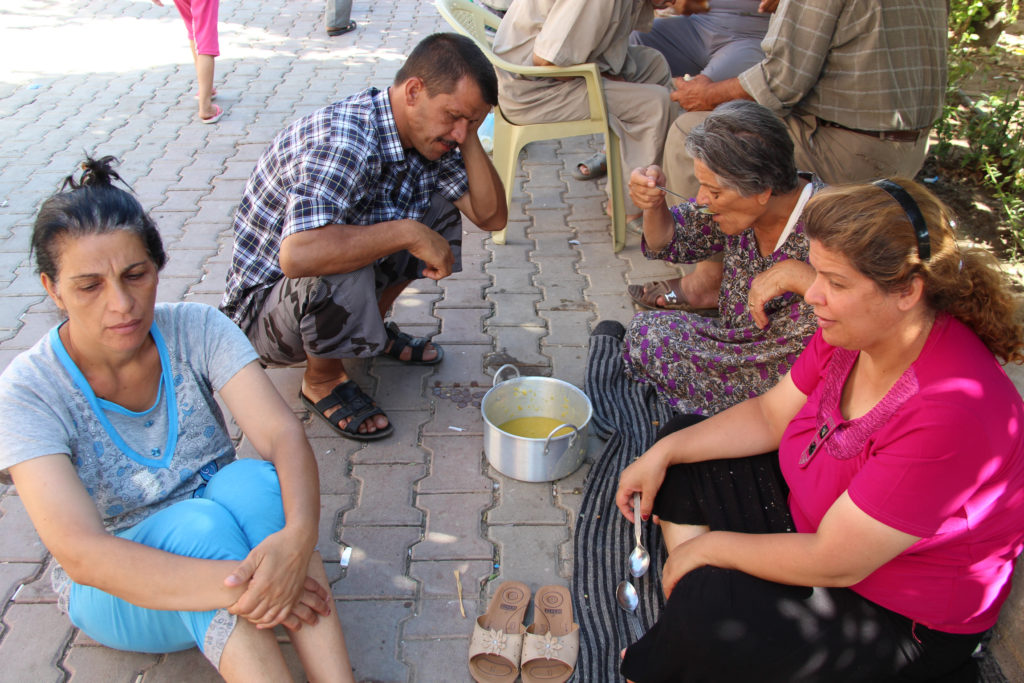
887	135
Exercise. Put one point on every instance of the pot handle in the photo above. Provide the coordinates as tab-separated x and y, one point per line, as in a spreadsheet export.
572	439
495	382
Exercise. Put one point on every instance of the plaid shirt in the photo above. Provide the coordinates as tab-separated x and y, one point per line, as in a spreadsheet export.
867	64
343	164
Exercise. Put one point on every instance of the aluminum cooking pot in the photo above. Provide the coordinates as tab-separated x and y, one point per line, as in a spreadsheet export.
535	459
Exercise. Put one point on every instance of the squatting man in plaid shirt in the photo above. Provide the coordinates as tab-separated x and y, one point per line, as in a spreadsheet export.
346	207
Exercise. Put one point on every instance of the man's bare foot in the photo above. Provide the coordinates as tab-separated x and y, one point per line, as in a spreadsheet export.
316	391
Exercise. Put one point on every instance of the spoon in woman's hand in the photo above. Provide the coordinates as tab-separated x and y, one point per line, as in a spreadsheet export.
639	559
700	207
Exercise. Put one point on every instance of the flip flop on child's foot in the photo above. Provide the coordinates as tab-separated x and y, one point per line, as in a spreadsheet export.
353	404
215	117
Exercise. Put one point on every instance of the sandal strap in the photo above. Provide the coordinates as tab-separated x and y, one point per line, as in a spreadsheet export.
352	403
486	641
400	340
564	649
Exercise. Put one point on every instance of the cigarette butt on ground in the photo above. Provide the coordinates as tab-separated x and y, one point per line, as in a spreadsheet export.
458	587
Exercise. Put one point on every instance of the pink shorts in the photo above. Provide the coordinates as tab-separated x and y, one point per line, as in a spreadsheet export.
201	21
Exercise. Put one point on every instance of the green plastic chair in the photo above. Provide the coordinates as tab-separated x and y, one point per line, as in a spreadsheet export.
510	138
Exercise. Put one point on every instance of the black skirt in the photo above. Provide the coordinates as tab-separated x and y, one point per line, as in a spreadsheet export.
724	625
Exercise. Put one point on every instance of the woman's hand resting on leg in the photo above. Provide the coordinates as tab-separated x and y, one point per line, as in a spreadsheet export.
275	572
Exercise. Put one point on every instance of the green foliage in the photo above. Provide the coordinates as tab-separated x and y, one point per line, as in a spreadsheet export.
992	126
968	19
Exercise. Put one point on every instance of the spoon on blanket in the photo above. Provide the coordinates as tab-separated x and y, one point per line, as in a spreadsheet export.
639	559
629	600
627	596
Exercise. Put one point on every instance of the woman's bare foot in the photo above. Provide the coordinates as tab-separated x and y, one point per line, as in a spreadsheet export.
700	288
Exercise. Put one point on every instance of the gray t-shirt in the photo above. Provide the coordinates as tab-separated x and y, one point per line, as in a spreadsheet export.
134	469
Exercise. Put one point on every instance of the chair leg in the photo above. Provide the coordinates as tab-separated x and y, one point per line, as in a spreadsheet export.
506	155
618	200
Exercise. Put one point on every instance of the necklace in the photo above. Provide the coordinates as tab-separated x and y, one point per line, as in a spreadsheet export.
166	385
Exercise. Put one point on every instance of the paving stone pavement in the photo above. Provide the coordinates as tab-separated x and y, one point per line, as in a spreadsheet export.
114	77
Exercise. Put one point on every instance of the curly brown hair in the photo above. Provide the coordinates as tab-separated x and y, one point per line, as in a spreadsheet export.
867	226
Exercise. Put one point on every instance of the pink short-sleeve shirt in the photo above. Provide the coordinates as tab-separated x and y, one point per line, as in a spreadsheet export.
940	457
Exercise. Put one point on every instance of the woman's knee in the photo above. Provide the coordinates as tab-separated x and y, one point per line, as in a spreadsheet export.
242	481
193	528
728	610
250	490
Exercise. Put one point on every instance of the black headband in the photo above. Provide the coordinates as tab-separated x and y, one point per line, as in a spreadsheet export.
909	206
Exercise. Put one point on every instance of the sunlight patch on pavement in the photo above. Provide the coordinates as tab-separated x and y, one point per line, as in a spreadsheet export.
111	45
30	49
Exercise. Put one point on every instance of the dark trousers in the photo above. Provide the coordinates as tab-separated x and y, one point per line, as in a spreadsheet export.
724	625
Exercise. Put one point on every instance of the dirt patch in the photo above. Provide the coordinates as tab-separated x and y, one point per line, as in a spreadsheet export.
980	216
981	221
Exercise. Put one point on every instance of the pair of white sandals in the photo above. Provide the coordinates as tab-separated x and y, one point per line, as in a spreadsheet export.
545	652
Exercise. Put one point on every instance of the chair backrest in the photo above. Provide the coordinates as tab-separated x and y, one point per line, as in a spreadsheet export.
470	20
479	24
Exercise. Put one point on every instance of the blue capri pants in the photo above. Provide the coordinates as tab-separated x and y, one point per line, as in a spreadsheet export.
240	506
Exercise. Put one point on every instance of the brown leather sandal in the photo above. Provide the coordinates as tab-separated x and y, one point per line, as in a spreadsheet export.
647	296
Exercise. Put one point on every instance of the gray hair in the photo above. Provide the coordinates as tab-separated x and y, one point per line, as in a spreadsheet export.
747	147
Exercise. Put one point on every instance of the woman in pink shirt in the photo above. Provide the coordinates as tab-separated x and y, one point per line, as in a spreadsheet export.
879	540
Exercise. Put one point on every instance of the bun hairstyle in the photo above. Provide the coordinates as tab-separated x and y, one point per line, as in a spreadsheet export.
871	228
91	205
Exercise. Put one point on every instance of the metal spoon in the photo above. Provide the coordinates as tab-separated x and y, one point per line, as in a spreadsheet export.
627	596
701	208
639	560
674	194
628	600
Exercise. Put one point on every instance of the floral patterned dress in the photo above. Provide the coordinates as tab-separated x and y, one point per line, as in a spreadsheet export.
704	365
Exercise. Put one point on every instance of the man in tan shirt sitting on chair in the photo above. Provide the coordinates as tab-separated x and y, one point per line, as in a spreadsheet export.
636	84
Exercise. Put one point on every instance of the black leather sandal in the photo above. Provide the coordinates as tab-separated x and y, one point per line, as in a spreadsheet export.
350	26
352	402
399	340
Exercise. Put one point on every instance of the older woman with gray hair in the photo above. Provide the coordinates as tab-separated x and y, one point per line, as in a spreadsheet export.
748	209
